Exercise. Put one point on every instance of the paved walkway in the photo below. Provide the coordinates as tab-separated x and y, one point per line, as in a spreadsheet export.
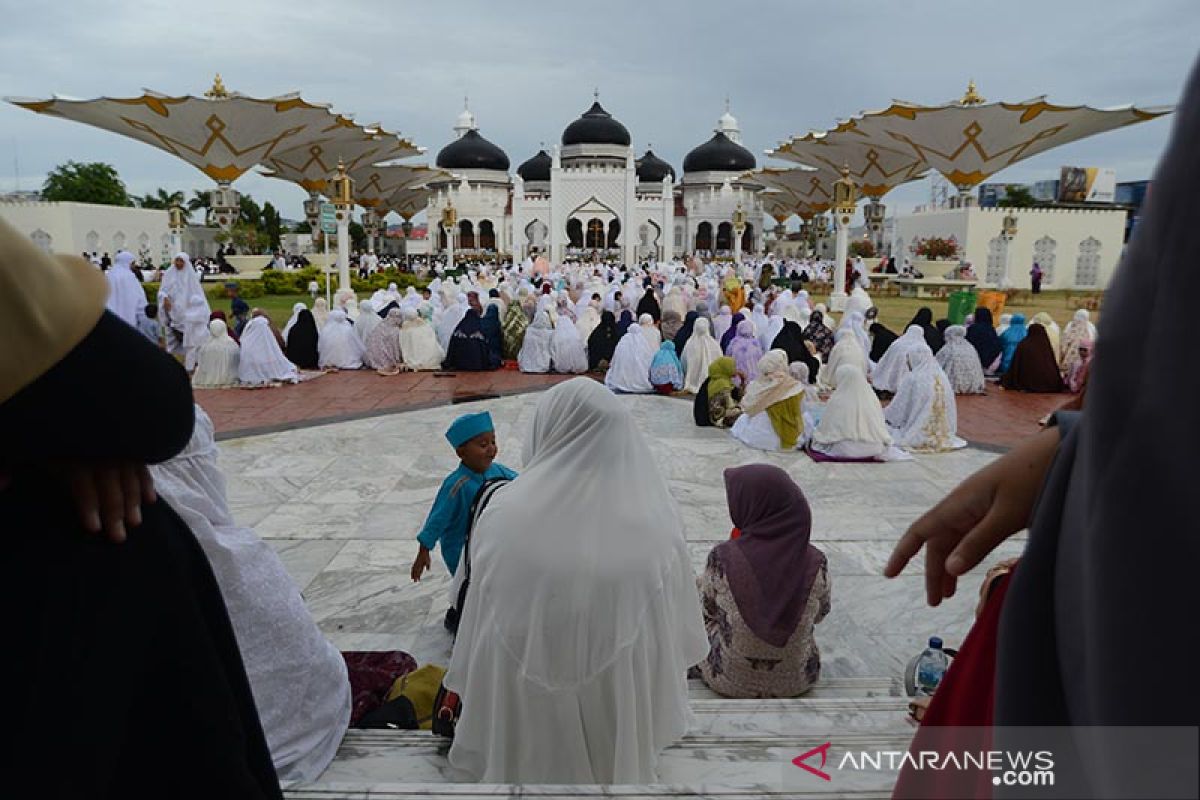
998	419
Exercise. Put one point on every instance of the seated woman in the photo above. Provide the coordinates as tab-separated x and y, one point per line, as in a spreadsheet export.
772	414
302	341
514	326
666	371
847	350
566	348
629	371
602	341
960	361
338	347
298	678
592	641
717	403
650	331
982	336
745	350
534	356
1033	367
722	322
1077	377
469	349
699	352
852	425
764	592
819	334
367	321
1079	329
790	339
383	353
892	368
418	342
923	416
217	361
1010	337
262	363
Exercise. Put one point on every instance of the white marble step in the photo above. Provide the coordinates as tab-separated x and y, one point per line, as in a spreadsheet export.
442	791
825	688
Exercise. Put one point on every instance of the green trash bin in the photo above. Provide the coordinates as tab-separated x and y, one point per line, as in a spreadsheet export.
960	305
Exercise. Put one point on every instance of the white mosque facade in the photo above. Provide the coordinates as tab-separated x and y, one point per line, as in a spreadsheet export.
591	196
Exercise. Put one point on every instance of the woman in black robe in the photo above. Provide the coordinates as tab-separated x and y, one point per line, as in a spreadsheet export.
1034	367
649	305
881	340
490	324
602	342
685	332
302	341
624	323
819	334
924	320
983	337
468	350
790	339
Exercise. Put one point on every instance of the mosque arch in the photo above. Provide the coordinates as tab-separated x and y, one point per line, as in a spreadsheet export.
614	231
118	241
704	236
594	234
93	241
487	235
536	233
466	235
725	236
42	240
1087	265
574	232
1045	257
748	239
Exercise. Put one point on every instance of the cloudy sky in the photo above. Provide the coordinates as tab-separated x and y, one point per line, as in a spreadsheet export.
663	67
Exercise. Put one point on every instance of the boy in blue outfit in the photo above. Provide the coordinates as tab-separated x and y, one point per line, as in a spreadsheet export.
473	438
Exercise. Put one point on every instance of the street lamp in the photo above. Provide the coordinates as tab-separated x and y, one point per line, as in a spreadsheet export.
845	196
406	228
343	203
739	227
175	221
449	222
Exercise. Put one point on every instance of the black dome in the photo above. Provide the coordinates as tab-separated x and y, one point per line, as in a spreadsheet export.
652	169
536	168
719	154
472	151
596	126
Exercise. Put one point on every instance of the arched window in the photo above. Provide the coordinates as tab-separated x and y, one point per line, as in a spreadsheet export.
1087	266
42	240
748	239
996	258
487	235
595	234
93	241
644	235
704	236
118	242
678	236
574	232
1044	256
725	236
536	233
466	235
614	232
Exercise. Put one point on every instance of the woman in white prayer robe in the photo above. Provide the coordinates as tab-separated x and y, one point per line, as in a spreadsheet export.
297	677
960	361
629	370
418	343
320	312
650	330
180	283
588	319
700	351
847	350
923	416
368	320
567	352
262	363
287	328
338	346
762	326
345	300
722	322
767	415
217	359
852	425
195	330
126	298
451	316
856	323
893	366
535	353
583	616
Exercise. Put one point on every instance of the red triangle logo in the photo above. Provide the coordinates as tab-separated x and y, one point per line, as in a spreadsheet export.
819	772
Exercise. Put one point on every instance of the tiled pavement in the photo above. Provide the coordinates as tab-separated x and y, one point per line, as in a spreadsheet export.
998	419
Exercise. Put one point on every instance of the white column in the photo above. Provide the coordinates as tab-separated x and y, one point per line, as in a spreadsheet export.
555	223
628	234
516	241
1006	281
176	241
343	246
668	220
837	298
737	247
449	246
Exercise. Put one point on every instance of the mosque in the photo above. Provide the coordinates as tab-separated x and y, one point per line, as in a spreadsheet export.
592	197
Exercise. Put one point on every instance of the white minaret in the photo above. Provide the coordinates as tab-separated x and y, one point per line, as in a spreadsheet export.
728	125
466	121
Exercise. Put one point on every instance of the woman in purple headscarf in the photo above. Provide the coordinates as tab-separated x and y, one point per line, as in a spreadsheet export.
731	332
763	592
745	350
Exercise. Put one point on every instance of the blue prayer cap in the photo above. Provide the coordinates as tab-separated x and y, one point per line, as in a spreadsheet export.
467	427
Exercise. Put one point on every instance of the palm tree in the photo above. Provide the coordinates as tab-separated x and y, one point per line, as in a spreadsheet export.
199	201
160	199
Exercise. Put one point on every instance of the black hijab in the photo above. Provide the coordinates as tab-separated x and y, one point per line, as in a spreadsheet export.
625	322
649	305
924	320
685	333
700	412
468	350
383	312
602	342
983	337
881	340
819	334
302	341
790	339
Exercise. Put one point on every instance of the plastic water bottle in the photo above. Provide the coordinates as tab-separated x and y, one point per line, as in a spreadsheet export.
931	666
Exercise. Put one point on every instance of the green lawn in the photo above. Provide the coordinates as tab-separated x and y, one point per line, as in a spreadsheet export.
896	312
277	306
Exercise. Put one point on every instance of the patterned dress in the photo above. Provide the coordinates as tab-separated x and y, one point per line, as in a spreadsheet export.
739	664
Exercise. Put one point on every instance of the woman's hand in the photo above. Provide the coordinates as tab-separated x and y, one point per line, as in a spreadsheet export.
984	510
109	496
421	563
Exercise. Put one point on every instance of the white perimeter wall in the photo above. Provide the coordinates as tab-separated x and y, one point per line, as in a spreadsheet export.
77	227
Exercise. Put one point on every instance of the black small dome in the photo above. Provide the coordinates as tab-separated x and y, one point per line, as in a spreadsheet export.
536	168
596	126
719	154
472	151
652	169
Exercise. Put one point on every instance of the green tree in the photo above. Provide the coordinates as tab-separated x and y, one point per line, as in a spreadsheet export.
302	227
249	211
199	202
272	224
358	236
160	199
1018	196
92	182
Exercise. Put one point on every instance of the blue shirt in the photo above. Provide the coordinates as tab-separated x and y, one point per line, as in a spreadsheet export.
450	516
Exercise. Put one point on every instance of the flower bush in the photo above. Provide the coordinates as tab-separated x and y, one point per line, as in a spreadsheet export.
936	248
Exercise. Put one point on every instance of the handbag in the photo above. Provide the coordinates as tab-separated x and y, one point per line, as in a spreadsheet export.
447	705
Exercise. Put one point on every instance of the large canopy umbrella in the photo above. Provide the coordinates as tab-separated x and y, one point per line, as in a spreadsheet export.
808	189
969	140
313	164
374	186
780	206
876	167
409	201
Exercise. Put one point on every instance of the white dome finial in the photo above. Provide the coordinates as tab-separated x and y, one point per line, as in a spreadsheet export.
466	120
728	125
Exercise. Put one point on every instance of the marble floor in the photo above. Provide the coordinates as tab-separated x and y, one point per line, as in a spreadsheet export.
341	503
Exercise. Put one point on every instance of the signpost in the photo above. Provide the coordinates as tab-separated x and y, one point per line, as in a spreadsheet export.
328	228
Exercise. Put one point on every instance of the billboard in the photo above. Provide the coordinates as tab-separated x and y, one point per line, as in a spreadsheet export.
1087	185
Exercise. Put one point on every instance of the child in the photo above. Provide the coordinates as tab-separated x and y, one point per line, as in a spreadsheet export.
149	326
473	438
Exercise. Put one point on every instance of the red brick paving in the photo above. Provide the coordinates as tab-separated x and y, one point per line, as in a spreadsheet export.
999	418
